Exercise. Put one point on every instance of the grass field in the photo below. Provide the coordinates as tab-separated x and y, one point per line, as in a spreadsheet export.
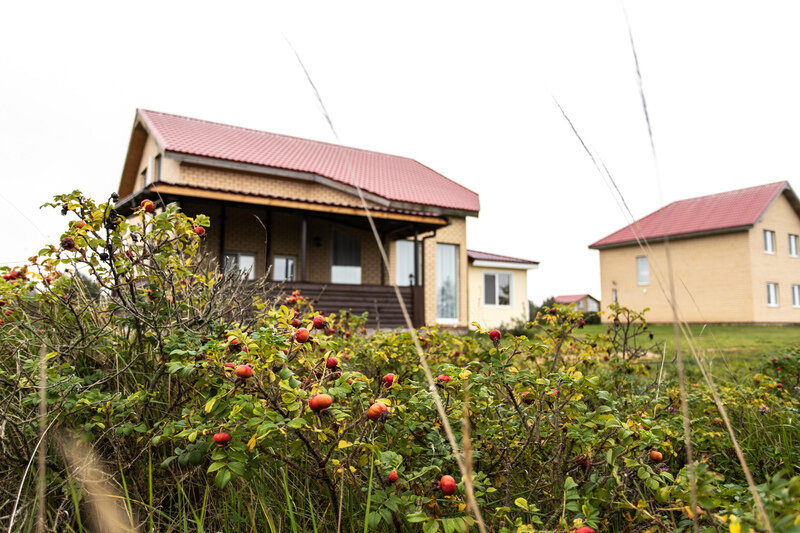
738	347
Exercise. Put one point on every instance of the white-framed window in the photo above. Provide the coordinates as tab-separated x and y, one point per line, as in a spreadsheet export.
769	241
594	305
614	297
244	262
795	295
497	289
772	294
642	270
792	245
283	268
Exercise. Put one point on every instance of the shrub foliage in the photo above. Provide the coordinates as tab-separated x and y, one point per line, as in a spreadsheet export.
149	350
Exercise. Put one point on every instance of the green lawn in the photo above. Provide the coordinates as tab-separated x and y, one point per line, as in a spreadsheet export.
734	346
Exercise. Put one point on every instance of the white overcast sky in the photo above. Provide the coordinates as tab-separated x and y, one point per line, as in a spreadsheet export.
465	88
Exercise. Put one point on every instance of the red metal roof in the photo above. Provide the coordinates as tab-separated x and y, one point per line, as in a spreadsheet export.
705	214
395	178
483	256
572	298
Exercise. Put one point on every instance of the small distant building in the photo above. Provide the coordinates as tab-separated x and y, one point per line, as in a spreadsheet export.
497	288
585	303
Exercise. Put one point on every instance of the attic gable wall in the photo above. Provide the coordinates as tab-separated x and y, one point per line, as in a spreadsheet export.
245	182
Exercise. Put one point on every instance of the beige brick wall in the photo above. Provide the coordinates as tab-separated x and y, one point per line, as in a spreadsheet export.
779	267
455	233
492	317
712	279
246	182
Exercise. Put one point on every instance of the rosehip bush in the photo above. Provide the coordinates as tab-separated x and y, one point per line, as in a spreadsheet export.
195	386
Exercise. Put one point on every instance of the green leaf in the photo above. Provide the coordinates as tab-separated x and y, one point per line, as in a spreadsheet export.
297	423
416	517
237	467
431	527
522	503
215	466
222	479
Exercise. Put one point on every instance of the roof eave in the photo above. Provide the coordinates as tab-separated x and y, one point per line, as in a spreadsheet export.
680	236
505	264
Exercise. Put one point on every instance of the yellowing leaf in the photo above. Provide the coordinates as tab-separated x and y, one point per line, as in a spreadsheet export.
344	444
252	442
522	503
210	404
464	374
386	401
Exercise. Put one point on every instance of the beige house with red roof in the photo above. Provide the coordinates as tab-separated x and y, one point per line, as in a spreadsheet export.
734	255
585	303
291	207
497	288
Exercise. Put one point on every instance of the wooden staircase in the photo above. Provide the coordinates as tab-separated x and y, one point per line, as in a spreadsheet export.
379	301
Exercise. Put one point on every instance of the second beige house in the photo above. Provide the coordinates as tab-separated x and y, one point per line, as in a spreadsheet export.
734	254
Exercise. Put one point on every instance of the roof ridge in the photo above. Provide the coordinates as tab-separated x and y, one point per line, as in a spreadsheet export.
764	185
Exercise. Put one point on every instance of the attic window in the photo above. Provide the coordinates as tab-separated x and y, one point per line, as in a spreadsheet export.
157	172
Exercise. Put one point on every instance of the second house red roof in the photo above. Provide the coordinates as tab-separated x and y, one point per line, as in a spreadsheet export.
705	214
394	178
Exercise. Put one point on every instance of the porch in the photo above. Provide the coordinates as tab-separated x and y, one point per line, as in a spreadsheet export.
328	253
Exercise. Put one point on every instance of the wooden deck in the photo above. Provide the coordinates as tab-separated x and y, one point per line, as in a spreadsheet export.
380	301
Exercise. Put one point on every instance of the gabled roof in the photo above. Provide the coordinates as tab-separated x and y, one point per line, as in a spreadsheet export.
487	259
572	298
704	215
398	179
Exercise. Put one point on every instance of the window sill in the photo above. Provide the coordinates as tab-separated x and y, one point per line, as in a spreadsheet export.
769	253
488	306
773	305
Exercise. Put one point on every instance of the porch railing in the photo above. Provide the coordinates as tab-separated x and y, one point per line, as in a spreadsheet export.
379	301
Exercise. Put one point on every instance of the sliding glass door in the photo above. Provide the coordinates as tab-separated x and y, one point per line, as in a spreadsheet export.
447	283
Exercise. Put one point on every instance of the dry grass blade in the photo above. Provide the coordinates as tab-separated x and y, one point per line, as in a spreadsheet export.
108	509
644	246
41	503
466	470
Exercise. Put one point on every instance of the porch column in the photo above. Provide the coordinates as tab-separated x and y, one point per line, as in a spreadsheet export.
303	242
268	218
222	216
416	258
